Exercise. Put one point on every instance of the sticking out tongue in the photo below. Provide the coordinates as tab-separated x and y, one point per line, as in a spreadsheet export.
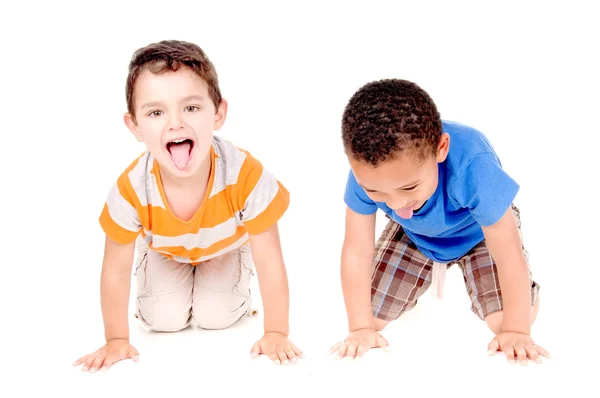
406	212
180	153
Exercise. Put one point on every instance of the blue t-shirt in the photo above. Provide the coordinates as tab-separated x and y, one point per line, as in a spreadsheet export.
473	191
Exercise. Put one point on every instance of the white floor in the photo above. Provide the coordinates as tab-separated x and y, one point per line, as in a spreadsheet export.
439	348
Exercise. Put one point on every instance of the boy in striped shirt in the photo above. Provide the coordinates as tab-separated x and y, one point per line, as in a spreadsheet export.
201	209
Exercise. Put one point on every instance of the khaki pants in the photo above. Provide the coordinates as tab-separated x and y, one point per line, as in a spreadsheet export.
215	294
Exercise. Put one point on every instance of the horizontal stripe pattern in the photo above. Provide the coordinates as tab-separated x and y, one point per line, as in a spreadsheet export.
260	197
244	199
201	239
121	212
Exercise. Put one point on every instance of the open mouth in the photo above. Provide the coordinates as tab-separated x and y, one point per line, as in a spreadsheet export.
406	211
181	151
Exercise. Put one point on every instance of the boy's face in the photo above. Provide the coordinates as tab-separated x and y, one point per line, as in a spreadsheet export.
404	183
175	117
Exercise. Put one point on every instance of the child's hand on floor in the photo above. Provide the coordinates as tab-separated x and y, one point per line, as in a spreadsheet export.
278	348
358	343
518	345
113	351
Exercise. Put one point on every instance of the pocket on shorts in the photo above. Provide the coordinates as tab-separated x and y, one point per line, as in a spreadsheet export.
141	276
142	259
246	269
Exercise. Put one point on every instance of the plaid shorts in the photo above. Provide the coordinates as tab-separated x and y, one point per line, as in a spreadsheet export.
401	274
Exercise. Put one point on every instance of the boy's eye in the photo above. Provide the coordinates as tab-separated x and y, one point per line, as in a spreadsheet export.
410	189
191	108
155	113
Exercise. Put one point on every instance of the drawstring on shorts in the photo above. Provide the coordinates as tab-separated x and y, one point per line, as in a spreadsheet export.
438	278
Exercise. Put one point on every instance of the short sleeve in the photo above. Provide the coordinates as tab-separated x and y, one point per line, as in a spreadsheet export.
262	199
356	198
485	189
119	218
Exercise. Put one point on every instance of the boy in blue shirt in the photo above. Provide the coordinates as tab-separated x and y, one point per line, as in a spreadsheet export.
448	201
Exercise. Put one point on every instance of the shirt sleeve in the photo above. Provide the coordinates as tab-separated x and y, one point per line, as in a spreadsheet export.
485	189
119	218
356	198
263	200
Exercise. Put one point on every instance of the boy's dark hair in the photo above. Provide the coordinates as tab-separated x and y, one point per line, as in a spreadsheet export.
386	117
169	55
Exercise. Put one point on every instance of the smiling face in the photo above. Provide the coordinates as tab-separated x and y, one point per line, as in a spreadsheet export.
175	118
404	182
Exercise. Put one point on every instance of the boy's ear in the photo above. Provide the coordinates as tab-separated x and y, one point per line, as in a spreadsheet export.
132	126
220	115
443	147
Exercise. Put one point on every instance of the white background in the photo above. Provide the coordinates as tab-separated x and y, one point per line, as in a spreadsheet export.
524	73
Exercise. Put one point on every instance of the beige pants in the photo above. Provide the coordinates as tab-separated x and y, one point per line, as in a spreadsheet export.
214	294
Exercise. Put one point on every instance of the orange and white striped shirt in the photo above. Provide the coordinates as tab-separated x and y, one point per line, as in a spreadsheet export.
242	198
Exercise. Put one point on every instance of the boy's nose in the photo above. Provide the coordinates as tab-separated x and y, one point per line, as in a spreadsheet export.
397	204
175	123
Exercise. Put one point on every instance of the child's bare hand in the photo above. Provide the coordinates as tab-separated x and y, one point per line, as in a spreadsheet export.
278	348
518	345
358	343
113	351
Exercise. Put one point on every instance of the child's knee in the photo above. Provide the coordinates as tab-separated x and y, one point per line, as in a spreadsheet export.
218	312
494	319
380	324
169	312
164	320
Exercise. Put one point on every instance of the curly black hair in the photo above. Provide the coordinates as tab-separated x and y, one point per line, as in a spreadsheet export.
386	117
